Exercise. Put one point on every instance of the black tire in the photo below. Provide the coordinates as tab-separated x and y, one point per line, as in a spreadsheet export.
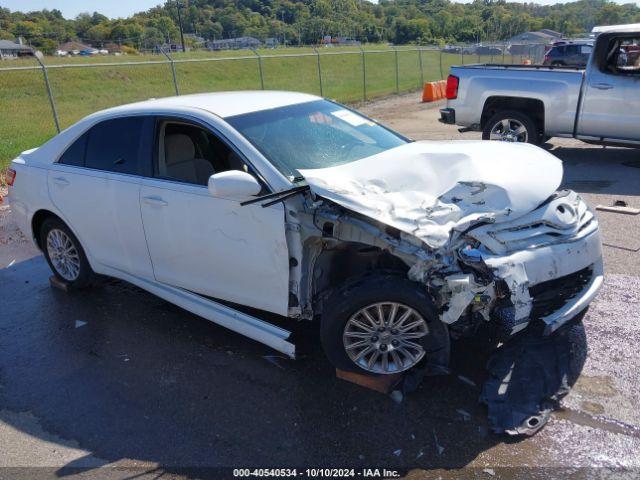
368	290
533	132
85	274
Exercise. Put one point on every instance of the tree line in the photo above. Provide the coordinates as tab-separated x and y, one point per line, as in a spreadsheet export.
308	21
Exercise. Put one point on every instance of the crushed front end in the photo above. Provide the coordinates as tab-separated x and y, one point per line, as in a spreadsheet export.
539	271
544	266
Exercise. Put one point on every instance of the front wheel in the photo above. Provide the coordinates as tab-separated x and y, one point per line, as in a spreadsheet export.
511	126
380	325
64	254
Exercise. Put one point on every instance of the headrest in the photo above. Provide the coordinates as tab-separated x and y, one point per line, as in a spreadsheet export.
178	148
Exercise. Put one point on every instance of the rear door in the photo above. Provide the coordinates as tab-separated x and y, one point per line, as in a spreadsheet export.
96	185
211	246
611	102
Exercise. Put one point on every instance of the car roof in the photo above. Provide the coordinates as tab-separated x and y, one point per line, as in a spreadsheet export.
569	43
224	104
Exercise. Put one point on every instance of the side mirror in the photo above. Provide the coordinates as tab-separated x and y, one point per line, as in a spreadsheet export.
234	185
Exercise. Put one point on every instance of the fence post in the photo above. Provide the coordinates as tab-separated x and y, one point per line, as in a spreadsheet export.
421	68
440	59
462	54
50	93
395	50
319	71
503	53
259	67
364	75
173	70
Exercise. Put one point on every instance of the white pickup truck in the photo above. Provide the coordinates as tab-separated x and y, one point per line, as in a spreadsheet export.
524	103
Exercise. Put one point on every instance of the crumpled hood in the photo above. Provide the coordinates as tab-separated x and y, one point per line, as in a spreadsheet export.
428	189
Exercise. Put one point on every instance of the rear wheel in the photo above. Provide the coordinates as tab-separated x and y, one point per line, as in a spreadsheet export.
64	254
511	126
380	325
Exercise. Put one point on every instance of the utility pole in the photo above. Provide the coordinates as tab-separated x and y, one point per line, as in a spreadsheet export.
284	32
179	6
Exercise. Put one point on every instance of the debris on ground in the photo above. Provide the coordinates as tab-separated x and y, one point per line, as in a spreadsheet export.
619	206
466	416
467	380
398	452
439	448
397	396
530	374
80	323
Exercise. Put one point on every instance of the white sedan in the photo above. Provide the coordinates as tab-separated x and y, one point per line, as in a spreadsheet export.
297	206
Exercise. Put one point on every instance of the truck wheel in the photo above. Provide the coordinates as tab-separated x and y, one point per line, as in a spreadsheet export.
64	254
380	325
511	126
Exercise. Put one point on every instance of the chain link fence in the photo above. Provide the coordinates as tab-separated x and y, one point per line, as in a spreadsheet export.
40	97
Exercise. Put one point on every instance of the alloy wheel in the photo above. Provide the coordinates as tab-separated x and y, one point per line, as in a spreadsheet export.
63	254
509	130
383	338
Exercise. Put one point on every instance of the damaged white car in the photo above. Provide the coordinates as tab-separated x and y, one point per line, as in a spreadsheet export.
297	206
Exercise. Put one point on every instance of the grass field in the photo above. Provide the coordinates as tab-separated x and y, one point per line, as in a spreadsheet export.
83	85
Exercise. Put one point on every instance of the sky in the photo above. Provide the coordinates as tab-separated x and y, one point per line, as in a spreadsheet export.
120	8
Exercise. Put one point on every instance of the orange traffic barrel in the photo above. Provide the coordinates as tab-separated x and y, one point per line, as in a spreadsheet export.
430	92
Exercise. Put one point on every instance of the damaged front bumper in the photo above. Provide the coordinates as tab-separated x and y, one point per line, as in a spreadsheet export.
545	266
566	276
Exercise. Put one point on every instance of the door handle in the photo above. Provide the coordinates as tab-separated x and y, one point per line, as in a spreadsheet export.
157	201
603	86
61	181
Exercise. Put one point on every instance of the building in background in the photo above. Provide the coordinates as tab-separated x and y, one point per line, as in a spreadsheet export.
234	43
10	50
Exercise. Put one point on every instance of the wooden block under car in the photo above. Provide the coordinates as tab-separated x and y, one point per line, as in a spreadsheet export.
58	284
378	383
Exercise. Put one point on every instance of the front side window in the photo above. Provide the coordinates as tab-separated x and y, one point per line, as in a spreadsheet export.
115	145
316	134
189	153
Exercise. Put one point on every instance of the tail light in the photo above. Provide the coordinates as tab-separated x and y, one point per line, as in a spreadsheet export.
547	58
10	176
452	87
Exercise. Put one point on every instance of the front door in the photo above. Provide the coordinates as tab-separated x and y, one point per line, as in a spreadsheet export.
611	104
211	246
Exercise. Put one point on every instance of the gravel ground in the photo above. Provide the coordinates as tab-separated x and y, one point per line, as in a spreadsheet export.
114	382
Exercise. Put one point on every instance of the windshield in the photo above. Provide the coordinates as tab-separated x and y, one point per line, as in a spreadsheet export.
315	134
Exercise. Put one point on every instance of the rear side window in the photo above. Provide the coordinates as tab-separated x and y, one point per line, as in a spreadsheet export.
75	153
115	145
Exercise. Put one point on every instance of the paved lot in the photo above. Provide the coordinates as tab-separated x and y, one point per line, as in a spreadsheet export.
120	383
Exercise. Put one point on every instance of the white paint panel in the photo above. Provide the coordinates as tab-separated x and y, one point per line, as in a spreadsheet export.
429	188
103	210
216	247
